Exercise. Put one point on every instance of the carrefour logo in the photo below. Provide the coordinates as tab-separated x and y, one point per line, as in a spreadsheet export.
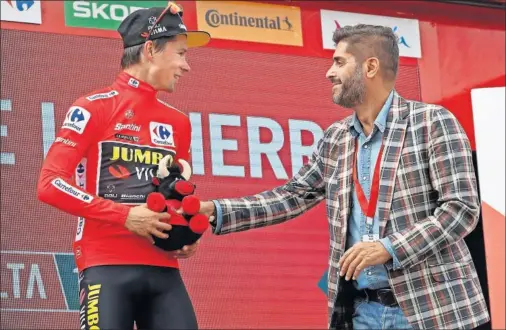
20	5
69	190
27	11
161	134
76	119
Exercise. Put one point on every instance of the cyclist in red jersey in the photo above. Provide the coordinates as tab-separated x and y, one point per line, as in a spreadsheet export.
110	141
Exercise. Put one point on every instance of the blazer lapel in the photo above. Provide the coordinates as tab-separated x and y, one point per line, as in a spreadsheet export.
393	138
346	183
342	183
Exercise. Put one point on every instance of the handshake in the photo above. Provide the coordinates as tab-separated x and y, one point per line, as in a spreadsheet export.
171	208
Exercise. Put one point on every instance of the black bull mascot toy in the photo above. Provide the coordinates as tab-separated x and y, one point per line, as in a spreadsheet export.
172	192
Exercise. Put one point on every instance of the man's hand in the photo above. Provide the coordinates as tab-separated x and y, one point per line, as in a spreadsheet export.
187	251
360	256
144	222
207	209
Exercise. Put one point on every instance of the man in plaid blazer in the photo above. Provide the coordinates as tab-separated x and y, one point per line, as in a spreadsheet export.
398	180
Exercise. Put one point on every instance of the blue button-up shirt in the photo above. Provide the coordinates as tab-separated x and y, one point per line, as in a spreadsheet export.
374	277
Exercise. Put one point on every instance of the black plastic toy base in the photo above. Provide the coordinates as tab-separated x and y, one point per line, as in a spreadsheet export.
179	236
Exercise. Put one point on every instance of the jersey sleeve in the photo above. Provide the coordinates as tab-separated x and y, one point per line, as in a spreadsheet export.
81	125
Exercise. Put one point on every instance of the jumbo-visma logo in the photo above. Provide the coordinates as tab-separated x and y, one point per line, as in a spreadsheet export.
251	21
124	154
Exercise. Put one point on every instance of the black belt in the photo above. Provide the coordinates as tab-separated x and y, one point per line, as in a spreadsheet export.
383	296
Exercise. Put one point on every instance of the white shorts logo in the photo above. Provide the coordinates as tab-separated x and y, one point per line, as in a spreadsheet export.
161	134
69	190
76	119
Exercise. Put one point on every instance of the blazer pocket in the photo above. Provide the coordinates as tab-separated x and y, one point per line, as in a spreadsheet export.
450	271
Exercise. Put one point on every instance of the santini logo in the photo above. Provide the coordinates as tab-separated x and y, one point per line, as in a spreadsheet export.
69	190
215	19
65	141
127	127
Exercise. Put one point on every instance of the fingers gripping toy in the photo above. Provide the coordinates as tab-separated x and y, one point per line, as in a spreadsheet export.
173	191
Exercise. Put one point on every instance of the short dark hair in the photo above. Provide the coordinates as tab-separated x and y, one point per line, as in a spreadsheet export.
365	41
132	55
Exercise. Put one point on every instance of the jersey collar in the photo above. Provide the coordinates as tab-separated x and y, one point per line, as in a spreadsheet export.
135	85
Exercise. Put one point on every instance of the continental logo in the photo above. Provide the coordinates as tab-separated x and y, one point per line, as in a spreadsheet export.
215	19
255	22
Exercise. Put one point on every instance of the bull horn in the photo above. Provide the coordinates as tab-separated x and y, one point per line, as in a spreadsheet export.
187	171
163	172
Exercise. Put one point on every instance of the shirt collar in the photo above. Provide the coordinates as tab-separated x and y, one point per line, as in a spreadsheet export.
381	119
127	81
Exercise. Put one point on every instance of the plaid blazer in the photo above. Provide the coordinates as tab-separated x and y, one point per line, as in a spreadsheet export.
428	203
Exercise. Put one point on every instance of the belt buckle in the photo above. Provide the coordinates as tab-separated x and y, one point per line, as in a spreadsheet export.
383	298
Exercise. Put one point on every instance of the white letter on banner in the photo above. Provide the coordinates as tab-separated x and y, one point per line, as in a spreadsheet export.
16	287
297	150
197	148
48	128
271	149
218	145
35	278
6	158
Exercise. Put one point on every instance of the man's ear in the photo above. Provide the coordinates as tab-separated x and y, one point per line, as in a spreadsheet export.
148	50
372	66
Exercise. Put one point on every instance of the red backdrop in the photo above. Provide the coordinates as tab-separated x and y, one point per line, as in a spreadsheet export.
264	278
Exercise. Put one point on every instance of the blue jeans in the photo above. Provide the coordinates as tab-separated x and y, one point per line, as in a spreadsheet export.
373	315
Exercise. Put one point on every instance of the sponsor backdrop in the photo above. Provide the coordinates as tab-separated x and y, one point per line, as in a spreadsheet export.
106	15
407	30
246	21
253	126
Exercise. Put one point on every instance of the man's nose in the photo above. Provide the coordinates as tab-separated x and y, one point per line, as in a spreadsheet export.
186	67
330	74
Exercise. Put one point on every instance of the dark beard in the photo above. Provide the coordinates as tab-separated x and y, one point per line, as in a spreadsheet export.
352	90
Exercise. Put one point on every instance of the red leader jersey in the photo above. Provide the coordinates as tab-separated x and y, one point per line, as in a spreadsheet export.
111	141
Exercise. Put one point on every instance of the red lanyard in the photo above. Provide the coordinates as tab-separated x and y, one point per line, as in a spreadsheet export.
368	207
